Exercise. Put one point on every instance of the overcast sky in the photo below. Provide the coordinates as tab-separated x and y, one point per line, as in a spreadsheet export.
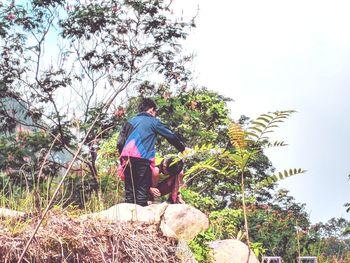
278	55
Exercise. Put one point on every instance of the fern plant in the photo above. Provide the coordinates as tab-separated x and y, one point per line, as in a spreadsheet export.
256	136
247	143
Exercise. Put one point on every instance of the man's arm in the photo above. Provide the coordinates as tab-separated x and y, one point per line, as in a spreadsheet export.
171	137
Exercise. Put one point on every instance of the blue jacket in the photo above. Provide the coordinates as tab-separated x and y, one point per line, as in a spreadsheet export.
138	137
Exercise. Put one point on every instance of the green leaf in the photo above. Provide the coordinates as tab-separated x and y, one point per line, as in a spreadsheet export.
276	144
255	129
259	124
263	119
266	116
279	176
252	134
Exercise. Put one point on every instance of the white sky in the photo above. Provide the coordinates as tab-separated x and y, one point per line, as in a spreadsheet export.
277	55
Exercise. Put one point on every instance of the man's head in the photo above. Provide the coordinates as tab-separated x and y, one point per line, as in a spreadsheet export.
172	166
148	105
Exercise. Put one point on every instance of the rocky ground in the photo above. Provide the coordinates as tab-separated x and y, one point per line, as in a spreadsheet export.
63	238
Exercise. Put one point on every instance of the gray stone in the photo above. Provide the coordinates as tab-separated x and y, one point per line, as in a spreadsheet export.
231	251
124	212
4	212
179	221
183	221
184	253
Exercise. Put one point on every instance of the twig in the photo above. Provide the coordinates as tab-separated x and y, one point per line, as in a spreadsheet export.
69	168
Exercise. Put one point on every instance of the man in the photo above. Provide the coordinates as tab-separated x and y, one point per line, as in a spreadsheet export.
171	168
137	152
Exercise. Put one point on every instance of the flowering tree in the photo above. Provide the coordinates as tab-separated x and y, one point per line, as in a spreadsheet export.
67	65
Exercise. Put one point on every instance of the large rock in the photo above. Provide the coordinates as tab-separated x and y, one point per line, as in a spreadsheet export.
231	251
124	212
183	221
184	253
4	212
180	221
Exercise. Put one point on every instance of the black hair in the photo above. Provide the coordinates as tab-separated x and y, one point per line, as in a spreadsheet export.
173	165
147	104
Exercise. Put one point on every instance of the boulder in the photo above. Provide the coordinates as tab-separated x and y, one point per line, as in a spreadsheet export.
124	212
184	253
179	221
183	221
4	212
231	251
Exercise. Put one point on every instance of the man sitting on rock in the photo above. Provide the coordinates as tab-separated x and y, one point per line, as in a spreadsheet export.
167	179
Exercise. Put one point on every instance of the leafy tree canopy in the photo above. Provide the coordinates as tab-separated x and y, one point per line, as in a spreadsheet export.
65	67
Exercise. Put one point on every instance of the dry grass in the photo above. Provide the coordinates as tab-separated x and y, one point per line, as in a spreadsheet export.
65	239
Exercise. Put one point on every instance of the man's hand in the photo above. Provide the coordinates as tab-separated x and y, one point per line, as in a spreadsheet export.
154	191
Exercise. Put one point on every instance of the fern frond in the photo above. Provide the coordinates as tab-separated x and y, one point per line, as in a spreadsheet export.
205	149
265	123
279	176
275	144
201	166
228	171
264	119
252	134
237	136
346	231
256	129
347	206
257	123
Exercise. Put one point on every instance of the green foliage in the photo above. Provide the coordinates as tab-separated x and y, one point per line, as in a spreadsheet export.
107	156
226	223
22	154
258	248
108	64
198	201
248	146
213	170
266	123
279	176
22	196
198	116
279	225
199	246
332	241
255	136
206	159
76	88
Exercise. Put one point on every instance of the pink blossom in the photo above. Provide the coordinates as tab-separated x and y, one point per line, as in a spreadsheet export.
119	112
193	104
10	157
115	9
10	16
166	95
68	7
